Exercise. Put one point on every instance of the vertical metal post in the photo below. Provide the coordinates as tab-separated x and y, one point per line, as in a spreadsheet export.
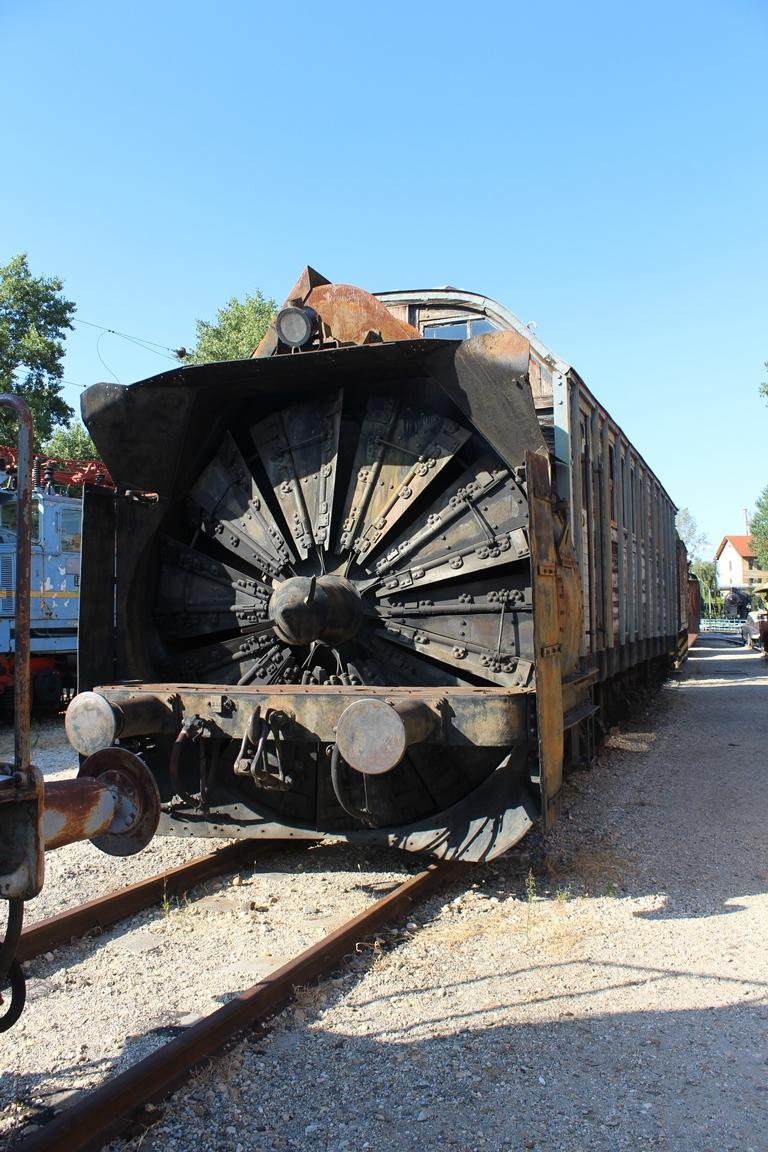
631	566
619	483
653	527
564	437
674	596
647	536
21	687
641	573
578	517
593	528
663	553
546	633
607	550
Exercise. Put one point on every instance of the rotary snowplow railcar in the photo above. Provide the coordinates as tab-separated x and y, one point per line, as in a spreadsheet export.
375	582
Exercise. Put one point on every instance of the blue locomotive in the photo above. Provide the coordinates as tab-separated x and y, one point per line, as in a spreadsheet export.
55	589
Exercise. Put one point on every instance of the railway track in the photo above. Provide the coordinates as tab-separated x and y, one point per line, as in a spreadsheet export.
105	911
126	1101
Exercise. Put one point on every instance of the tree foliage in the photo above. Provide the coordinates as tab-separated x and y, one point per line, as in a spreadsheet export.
72	443
706	571
759	529
34	317
696	542
238	329
764	385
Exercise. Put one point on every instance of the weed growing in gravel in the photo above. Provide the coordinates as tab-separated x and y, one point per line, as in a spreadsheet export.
562	894
530	896
171	904
530	886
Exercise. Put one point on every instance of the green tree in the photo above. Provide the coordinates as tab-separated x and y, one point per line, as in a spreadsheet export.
687	529
759	529
72	443
34	316
238	329
764	385
706	571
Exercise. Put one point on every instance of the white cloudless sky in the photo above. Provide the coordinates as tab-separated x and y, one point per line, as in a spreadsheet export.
597	168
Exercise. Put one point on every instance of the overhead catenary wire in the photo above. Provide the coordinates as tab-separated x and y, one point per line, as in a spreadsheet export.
157	349
101	358
150	345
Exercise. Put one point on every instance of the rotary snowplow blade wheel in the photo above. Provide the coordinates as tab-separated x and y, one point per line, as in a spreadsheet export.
393	538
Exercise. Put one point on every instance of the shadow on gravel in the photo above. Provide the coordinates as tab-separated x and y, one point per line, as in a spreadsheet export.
688	1081
676	803
682	1080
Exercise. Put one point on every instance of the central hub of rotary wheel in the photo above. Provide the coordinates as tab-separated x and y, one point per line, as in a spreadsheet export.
309	608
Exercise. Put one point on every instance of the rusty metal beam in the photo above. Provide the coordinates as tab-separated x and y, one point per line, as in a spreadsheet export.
486	716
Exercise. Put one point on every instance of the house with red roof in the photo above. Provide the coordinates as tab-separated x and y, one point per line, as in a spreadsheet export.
736	564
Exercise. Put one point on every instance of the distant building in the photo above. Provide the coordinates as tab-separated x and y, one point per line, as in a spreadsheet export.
736	564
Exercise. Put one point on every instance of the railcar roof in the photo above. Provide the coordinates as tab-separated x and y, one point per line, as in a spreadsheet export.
458	297
475	300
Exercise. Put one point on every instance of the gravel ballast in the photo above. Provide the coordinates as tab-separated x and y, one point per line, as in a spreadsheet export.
614	996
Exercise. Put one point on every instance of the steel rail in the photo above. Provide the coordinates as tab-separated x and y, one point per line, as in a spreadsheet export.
115	1105
107	910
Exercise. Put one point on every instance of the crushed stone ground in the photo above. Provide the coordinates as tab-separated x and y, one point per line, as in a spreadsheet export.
613	996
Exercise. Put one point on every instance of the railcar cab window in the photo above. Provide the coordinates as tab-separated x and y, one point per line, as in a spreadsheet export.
70	529
8	510
457	329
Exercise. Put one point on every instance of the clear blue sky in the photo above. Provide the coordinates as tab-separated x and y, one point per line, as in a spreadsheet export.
598	168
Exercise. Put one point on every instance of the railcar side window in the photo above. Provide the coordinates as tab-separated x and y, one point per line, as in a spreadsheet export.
8	521
479	327
70	529
457	329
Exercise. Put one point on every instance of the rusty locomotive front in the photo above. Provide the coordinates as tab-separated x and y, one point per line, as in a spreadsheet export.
379	582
